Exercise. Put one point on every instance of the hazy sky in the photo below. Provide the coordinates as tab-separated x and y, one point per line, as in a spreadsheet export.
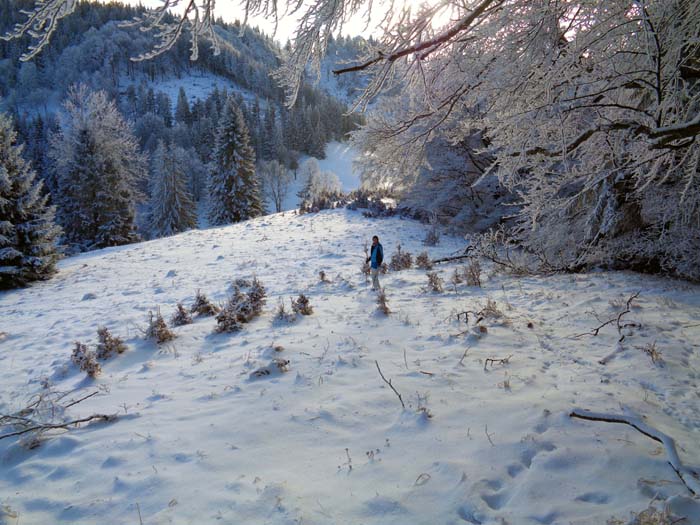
231	10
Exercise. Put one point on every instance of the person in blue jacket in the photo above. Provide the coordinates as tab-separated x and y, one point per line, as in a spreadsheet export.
376	256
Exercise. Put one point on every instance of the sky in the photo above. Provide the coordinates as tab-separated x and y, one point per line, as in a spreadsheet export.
231	10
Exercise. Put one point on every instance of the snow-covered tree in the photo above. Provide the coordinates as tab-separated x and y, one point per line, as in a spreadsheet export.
28	232
172	209
310	173
182	109
99	164
276	180
590	109
320	189
234	190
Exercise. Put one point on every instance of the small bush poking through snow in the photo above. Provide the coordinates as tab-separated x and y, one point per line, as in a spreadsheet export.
472	273
158	329
491	310
282	315
181	316
85	359
435	282
400	260
302	305
382	305
203	306
227	319
242	283
423	261
322	277
276	365
241	308
108	344
432	238
653	352
257	295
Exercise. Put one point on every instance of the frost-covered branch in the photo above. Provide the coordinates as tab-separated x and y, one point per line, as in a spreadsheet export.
687	476
40	24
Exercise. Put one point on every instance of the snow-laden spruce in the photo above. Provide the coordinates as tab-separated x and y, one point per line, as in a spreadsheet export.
234	191
98	163
172	209
27	229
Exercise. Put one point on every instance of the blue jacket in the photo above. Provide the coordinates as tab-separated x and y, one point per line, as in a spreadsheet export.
376	256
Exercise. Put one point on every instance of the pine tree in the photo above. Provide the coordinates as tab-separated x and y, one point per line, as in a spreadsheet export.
183	115
98	163
172	209
27	228
234	191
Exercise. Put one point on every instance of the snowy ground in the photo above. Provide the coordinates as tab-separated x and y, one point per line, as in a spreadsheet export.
198	441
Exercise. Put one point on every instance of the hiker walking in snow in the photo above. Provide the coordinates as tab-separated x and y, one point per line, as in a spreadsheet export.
376	256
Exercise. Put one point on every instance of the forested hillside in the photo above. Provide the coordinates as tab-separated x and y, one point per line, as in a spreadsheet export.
169	100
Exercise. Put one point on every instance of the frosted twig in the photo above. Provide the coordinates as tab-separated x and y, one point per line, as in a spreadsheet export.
495	361
488	436
53	426
388	382
617	320
461	361
687	476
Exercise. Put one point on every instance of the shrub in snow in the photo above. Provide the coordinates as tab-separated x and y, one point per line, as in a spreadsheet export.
203	306
27	229
435	282
382	305
227	320
85	359
469	274
472	273
302	305
241	283
257	296
108	344
275	366
400	260
491	309
432	238
158	329
241	307
322	277
282	315
181	316
423	261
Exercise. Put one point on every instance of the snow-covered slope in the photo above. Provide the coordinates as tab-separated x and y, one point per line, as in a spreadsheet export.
199	441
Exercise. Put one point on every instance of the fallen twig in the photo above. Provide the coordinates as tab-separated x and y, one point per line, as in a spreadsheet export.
81	399
496	361
687	476
461	361
388	382
465	255
52	426
617	319
488	436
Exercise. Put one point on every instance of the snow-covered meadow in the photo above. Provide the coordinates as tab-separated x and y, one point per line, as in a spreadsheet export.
200	440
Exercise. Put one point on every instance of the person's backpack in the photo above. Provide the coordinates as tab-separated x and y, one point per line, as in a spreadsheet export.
380	254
